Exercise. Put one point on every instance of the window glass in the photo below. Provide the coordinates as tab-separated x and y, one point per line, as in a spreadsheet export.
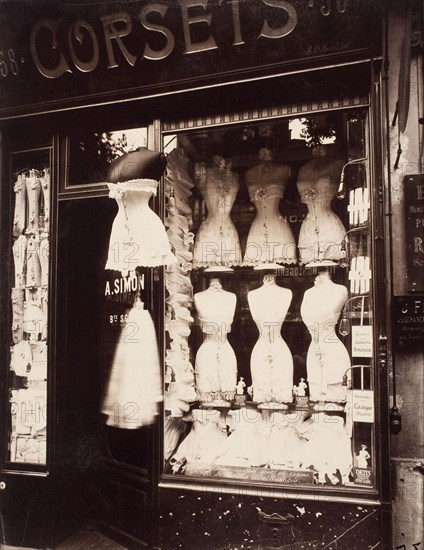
29	306
269	359
90	153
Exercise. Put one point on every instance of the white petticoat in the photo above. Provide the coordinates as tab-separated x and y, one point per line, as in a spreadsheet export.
134	388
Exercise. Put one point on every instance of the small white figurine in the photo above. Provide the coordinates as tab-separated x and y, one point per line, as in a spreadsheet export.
240	386
299	391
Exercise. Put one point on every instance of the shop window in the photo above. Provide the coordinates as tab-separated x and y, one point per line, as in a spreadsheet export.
27	421
269	362
91	152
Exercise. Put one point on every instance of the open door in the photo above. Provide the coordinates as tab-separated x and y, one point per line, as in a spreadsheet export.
103	472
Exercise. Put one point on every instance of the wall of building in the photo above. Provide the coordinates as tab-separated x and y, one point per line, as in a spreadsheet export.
407	448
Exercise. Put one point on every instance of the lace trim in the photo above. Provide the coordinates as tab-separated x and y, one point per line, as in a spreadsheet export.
210	396
265	191
198	264
116	190
278	260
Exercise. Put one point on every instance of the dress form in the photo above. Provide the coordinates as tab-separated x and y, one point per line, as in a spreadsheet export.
322	231
217	242
327	359
270	238
138	237
216	364
271	362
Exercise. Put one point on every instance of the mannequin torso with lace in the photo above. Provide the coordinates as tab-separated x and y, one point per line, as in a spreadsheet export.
322	231
271	362
270	237
216	364
328	359
217	241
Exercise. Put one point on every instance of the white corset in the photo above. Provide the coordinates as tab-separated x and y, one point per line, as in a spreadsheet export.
33	185
20	206
45	187
33	271
19	259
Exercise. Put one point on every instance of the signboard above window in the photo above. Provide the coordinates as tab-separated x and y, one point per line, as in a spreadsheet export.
54	56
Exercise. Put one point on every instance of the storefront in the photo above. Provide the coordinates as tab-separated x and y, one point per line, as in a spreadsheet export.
227	386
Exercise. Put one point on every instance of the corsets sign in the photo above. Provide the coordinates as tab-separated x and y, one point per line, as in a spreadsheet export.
65	51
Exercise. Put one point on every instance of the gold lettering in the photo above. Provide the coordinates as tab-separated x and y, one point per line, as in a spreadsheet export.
194	47
420	192
170	40
112	33
62	67
270	32
76	30
418	245
235	7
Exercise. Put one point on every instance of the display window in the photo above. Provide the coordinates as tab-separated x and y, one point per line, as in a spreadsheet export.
29	293
270	356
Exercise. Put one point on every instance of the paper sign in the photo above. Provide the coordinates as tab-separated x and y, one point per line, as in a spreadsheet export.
362	341
363	406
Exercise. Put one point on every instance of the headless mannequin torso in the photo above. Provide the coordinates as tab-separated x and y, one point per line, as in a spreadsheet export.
270	237
328	359
217	241
322	232
271	362
216	364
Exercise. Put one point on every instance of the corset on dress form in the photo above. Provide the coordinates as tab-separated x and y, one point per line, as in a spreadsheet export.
327	359
270	236
138	237
20	206
216	363
322	231
33	186
217	241
271	362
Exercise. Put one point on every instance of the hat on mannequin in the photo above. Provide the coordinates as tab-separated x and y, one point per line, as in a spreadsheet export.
141	164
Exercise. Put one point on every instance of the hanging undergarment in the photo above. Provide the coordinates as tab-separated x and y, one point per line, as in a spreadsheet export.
138	237
134	389
20	206
33	185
